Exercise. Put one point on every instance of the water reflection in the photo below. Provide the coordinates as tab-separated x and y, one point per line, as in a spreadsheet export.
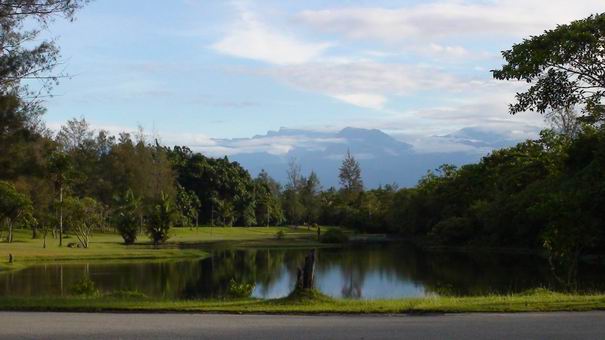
362	271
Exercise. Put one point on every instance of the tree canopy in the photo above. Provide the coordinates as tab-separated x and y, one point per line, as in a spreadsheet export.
565	67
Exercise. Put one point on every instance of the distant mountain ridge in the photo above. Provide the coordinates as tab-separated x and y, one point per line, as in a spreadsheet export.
383	159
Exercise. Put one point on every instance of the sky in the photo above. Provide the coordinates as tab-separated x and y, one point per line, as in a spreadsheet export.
194	70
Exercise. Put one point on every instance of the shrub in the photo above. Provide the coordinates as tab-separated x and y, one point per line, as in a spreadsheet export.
240	289
85	286
453	230
126	218
334	236
280	235
163	217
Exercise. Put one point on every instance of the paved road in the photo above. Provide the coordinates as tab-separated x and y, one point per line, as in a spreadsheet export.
18	325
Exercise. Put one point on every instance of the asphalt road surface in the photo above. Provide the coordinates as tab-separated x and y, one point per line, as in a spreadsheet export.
29	325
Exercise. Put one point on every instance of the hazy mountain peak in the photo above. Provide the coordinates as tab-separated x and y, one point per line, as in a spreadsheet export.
383	159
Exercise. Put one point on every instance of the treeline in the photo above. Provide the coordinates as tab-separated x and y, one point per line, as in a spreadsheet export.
547	190
546	193
554	185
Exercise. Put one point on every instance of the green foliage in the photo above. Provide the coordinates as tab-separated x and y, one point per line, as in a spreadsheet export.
225	189
126	295
565	67
161	219
82	216
350	175
240	289
14	207
268	204
126	216
188	205
453	230
85	287
334	236
280	235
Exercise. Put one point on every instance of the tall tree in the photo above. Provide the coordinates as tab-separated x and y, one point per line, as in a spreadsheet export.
309	197
26	57
293	207
350	175
13	206
188	205
268	205
60	166
564	120
566	67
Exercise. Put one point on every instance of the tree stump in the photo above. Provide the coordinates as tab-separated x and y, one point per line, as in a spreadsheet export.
305	277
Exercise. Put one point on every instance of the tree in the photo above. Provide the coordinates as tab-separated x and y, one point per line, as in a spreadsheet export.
309	198
350	175
294	174
293	207
566	67
218	183
13	206
26	57
268	205
188	205
74	134
60	167
83	216
161	219
564	121
225	212
126	216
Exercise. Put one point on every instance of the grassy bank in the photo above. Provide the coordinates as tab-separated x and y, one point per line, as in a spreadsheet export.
541	301
184	242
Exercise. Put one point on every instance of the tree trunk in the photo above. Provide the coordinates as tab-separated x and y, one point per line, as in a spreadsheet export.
306	275
61	216
10	232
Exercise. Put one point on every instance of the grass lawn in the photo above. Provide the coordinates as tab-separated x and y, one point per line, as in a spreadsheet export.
539	301
184	242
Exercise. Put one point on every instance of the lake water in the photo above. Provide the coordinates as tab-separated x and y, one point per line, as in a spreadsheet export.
358	271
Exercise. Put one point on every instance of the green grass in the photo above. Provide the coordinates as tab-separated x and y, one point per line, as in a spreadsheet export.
314	303
184	242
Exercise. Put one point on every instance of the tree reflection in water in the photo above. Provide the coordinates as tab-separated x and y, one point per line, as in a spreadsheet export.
356	271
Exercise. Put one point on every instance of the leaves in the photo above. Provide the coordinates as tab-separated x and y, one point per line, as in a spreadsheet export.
566	67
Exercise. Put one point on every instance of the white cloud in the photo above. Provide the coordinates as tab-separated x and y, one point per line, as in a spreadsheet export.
436	20
370	101
251	38
365	84
274	145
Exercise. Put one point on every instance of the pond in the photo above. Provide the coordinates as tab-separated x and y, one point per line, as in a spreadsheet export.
391	270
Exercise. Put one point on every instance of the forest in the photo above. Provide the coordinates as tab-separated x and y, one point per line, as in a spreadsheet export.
546	193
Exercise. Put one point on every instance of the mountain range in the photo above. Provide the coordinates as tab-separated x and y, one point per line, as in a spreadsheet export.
384	159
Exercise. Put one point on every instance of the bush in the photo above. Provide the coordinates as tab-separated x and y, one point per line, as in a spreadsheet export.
85	287
126	218
334	236
127	230
163	217
280	235
453	230
240	289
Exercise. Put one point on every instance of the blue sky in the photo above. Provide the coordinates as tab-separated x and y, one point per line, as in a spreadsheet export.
195	70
